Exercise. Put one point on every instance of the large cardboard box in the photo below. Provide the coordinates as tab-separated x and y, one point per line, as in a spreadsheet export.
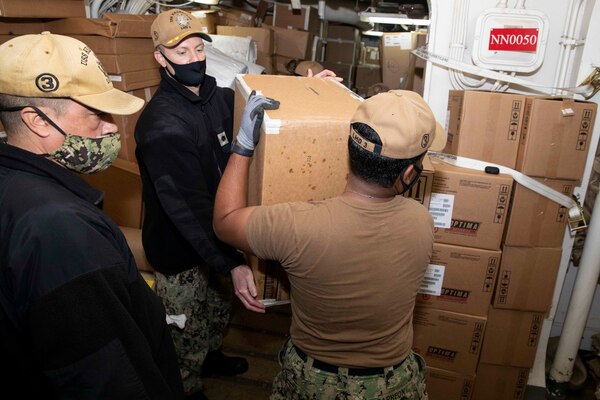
485	125
122	63
340	31
465	279
106	45
500	382
526	278
366	76
397	65
209	19
341	51
235	17
511	337
448	340
555	137
448	385
345	71
535	220
305	18
369	55
136	79
111	25
302	154
469	207
42	8
292	43
20	26
122	188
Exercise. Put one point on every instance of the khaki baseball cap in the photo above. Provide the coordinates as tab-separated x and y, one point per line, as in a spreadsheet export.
171	27
404	122
48	65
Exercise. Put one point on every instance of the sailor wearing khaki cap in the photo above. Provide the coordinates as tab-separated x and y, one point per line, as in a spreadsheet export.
183	139
355	261
76	317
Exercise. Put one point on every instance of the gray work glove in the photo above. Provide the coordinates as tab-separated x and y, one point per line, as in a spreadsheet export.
252	118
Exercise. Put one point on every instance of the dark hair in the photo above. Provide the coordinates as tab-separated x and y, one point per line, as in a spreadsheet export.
374	168
12	120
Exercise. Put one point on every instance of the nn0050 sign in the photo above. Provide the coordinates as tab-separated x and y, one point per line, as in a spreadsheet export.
513	39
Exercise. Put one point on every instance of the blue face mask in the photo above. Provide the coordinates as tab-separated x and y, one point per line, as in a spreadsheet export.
191	74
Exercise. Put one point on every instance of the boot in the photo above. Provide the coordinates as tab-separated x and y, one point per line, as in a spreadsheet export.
217	363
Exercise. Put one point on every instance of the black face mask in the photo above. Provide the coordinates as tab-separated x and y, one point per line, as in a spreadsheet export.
191	74
406	187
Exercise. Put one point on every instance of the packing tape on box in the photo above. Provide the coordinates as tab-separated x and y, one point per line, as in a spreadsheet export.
576	217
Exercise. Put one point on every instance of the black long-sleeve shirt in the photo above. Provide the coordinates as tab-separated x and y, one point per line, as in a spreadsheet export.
76	318
182	148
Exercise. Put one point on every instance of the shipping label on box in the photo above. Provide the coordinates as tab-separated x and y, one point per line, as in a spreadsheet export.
448	385
485	125
555	137
511	337
535	220
469	207
526	278
448	340
467	281
302	154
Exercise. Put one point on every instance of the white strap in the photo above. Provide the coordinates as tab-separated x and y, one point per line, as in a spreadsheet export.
576	217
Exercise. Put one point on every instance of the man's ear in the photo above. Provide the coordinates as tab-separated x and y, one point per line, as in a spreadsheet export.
406	176
35	122
160	58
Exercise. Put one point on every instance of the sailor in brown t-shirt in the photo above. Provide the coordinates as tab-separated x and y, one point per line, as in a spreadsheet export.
354	262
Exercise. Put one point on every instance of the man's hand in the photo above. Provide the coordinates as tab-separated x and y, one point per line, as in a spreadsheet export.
326	73
252	118
245	288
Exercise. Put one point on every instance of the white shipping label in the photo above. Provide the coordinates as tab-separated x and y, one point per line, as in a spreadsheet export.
440	208
432	281
404	40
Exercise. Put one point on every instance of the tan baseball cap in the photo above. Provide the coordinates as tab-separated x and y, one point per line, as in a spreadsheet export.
171	27
404	122
48	65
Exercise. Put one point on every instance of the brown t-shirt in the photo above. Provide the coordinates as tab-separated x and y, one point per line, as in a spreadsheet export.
354	269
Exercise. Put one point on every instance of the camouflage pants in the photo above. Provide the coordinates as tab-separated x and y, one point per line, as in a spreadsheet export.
205	299
299	380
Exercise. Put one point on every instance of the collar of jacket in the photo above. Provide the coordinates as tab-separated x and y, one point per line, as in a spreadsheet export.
207	89
22	160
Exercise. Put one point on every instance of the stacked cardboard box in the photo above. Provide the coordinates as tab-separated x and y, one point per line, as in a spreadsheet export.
469	210
341	51
262	36
546	139
123	44
397	62
42	8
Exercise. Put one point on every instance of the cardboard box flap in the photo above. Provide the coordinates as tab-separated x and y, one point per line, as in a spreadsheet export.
315	101
112	25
